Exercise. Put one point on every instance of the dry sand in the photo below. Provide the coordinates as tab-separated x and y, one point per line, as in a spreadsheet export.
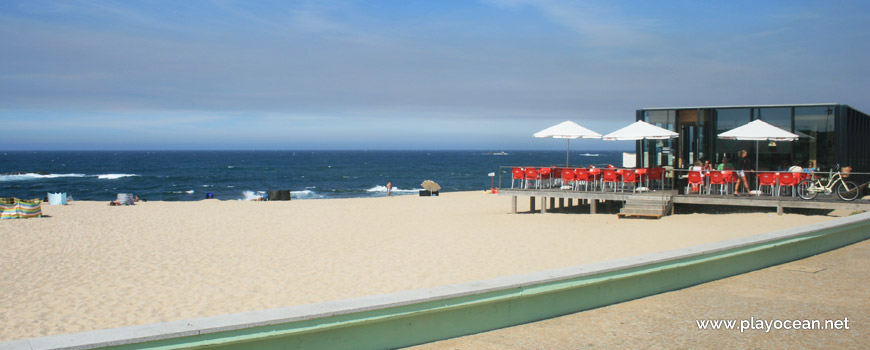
90	266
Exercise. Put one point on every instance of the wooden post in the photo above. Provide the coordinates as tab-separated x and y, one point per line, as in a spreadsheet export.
570	202
778	208
532	204
543	205
561	202
552	202
514	204
593	206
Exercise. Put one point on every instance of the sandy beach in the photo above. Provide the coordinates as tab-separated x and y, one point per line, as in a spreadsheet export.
89	266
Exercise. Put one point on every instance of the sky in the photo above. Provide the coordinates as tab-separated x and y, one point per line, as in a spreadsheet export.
404	75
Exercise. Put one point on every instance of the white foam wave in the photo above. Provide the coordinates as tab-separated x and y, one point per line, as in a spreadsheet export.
306	194
33	176
383	189
251	195
114	176
180	192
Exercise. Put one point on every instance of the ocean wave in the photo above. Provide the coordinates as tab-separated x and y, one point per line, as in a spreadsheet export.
180	192
114	176
306	194
383	189
34	176
252	196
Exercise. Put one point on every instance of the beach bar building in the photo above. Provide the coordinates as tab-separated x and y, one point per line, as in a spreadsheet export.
830	133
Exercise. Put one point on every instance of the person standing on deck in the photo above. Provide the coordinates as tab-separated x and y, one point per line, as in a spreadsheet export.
743	165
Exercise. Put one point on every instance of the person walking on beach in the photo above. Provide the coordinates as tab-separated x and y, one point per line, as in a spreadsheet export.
743	164
389	188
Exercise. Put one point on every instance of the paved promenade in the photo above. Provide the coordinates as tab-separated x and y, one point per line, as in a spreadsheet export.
830	286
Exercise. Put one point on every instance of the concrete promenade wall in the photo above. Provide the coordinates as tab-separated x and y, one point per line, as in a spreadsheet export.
413	317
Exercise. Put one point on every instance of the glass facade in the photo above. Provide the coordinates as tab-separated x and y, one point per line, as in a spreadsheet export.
727	119
777	155
815	126
699	126
660	152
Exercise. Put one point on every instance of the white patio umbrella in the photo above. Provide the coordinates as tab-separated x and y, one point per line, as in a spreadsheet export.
758	130
568	130
640	130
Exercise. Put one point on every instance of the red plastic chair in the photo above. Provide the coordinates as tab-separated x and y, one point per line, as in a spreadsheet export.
788	180
609	176
731	178
557	174
696	182
582	175
595	176
569	176
532	175
717	179
545	175
656	174
518	174
767	180
643	176
631	177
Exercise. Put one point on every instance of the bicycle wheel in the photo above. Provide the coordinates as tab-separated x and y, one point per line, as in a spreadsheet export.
847	190
803	190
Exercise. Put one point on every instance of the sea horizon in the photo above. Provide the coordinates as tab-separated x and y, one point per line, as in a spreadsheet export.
186	175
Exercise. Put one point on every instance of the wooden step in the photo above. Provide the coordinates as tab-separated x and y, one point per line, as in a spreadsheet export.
646	206
635	206
656	211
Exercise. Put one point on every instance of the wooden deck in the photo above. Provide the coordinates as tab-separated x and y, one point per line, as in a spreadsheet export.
671	197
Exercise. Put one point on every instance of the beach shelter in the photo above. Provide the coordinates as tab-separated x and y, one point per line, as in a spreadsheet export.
567	130
640	130
758	130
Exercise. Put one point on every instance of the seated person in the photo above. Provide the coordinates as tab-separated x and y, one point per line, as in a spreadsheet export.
795	169
707	165
698	166
810	169
725	165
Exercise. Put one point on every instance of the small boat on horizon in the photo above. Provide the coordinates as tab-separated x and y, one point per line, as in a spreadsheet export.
590	154
499	153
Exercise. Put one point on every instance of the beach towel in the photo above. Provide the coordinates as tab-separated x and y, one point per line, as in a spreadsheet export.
14	208
57	198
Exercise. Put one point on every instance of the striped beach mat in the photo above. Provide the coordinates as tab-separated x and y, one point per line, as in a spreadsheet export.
14	208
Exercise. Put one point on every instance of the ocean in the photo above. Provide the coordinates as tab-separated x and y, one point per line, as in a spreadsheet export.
231	175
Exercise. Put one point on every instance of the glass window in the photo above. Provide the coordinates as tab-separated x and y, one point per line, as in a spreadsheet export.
775	155
659	152
727	119
815	126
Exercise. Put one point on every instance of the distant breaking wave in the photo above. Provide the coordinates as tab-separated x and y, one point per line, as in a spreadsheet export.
114	176
35	176
395	189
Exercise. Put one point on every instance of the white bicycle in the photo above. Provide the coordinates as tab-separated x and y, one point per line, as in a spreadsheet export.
846	190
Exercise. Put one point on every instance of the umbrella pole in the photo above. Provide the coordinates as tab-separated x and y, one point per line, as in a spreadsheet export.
756	154
757	149
568	153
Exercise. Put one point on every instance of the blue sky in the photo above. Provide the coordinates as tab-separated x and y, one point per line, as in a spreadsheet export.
404	74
